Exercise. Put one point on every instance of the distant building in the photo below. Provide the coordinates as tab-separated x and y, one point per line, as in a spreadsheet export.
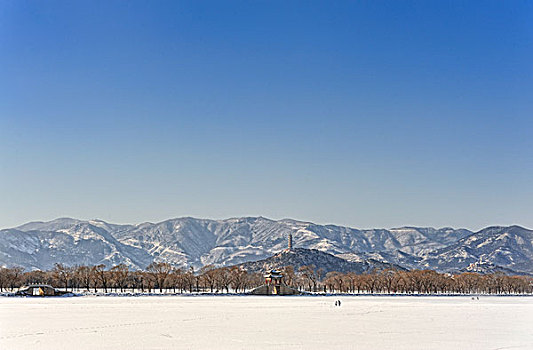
39	290
274	285
274	280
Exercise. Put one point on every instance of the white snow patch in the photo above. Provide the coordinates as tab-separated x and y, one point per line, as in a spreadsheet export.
266	323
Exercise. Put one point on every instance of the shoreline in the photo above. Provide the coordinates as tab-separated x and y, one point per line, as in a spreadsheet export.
189	295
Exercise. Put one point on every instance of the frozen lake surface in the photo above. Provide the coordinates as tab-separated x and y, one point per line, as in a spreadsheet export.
232	322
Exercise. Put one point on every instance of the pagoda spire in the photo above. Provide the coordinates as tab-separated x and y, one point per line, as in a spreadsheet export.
289	247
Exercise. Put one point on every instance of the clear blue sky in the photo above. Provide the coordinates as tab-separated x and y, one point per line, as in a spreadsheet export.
360	113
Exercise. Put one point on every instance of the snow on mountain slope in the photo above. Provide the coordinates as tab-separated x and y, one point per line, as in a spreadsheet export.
506	247
396	257
54	225
81	243
198	242
421	240
299	257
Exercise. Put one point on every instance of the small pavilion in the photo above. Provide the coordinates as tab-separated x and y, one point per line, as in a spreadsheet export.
273	280
274	285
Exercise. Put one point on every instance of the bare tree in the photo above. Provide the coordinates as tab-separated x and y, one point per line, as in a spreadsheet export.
208	277
175	279
119	275
189	279
63	274
102	276
138	280
223	279
11	277
85	275
289	275
36	277
159	272
238	278
310	276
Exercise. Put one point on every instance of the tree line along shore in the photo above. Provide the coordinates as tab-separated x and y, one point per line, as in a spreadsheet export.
164	278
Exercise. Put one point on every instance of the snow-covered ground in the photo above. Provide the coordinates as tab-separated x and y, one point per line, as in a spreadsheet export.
238	322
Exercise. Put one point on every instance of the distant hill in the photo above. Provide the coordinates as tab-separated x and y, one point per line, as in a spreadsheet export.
504	247
299	257
198	242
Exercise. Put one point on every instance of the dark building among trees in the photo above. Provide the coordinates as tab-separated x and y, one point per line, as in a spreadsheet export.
274	285
40	290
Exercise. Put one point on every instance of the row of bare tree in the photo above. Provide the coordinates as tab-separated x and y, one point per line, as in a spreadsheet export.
427	282
163	278
160	277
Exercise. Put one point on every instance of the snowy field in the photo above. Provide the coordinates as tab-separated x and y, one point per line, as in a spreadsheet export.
233	322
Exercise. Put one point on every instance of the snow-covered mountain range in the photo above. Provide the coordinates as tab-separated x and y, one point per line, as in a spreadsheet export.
200	242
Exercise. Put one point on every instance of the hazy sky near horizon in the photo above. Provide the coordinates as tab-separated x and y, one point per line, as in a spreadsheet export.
359	113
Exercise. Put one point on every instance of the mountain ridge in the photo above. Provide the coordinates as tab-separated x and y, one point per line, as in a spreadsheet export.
189	241
66	218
